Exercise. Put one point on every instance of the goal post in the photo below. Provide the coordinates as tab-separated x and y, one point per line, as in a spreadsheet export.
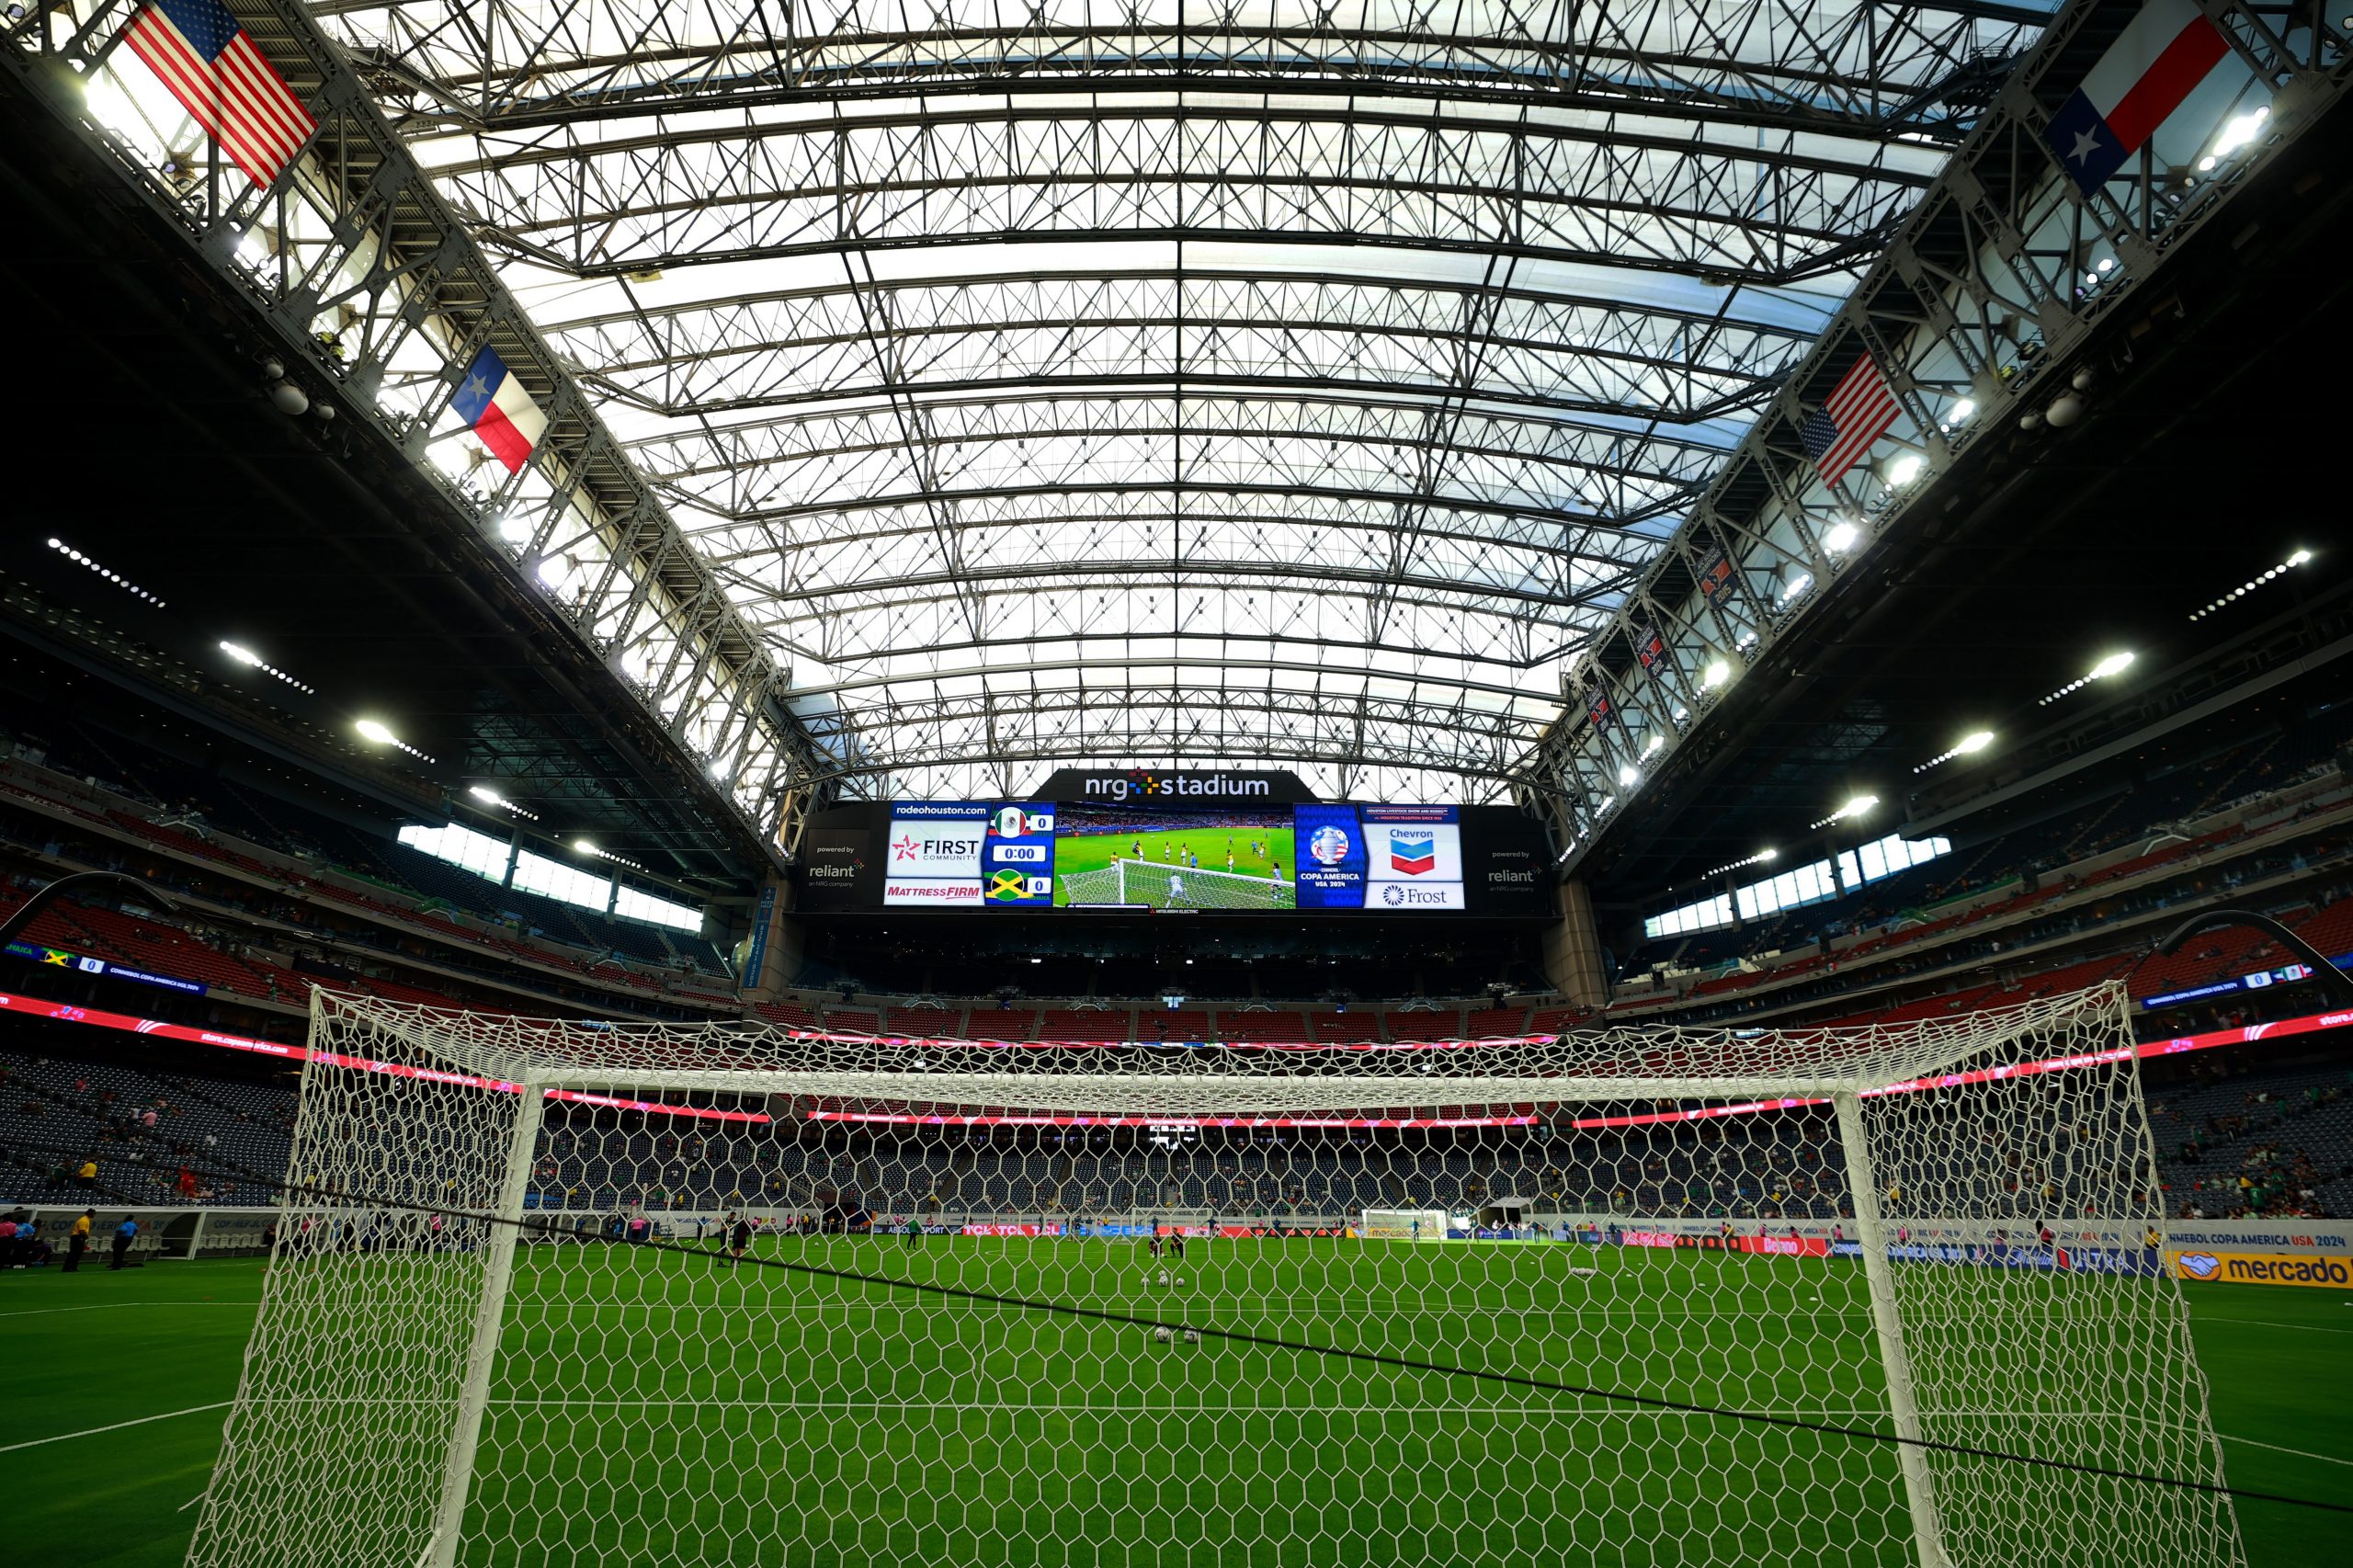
1165	886
1829	1330
1401	1225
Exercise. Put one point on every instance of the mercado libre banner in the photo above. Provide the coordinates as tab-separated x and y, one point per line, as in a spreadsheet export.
2261	1268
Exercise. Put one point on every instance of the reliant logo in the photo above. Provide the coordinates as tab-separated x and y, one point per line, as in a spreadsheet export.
1507	877
834	873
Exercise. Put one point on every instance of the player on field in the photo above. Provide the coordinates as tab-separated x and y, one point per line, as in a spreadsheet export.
914	1231
740	1239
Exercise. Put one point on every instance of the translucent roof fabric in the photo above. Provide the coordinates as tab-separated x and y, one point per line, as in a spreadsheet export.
1292	383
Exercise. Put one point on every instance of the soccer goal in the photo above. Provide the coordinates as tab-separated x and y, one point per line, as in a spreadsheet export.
1165	886
1401	1225
1807	1316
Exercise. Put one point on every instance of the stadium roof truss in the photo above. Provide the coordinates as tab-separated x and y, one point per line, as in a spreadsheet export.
940	388
1272	383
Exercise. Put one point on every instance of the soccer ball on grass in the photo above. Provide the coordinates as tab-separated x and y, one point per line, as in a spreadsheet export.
1163	1334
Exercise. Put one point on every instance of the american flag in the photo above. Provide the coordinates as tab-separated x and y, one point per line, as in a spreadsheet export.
1857	412
211	65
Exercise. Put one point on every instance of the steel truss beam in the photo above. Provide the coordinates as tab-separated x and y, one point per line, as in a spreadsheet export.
377	288
1622	478
1337	727
1987	294
1883	68
1762	209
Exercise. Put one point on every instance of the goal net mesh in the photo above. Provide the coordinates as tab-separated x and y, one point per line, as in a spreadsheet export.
507	1321
1172	887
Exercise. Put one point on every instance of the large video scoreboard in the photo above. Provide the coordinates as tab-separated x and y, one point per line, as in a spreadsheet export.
1035	854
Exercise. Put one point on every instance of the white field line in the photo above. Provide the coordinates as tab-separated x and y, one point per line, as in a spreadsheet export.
94	1431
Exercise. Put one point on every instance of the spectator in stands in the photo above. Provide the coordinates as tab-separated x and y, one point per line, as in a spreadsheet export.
79	1242
86	1179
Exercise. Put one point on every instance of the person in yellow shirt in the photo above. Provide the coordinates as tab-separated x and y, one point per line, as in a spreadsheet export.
88	1175
80	1242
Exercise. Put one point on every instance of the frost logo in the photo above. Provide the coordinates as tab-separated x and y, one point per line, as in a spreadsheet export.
2204	1265
1413	851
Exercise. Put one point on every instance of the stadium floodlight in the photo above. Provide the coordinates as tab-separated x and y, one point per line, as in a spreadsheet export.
1840	539
1960	412
1718	672
2270	575
242	654
1969	744
2115	664
1857	805
586	847
421	1389
377	733
1629	775
487	797
1904	469
2238	130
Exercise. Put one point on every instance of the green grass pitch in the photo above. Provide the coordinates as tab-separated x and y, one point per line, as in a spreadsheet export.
926	1430
1172	847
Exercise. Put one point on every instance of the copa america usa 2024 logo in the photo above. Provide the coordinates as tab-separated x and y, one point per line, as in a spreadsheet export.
1328	845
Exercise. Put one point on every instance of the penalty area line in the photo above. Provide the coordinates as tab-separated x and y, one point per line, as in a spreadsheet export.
94	1431
2283	1448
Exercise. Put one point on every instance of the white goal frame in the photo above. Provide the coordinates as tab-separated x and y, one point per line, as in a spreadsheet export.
1251	892
281	1461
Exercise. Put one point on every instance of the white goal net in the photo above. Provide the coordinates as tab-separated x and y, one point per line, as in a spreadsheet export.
574	1293
1127	881
1402	1225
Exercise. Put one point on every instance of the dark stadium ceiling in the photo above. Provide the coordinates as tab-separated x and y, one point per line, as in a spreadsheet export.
1295	383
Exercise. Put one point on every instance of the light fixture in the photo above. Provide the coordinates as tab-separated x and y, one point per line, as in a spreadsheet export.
490	797
1840	539
2268	575
1760	858
1797	584
1968	745
588	848
244	655
513	529
1718	672
1650	748
2115	664
380	733
1959	412
1904	469
1628	775
1855	807
118	579
2238	131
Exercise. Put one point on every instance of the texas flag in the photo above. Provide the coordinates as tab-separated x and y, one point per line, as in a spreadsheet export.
2159	59
492	401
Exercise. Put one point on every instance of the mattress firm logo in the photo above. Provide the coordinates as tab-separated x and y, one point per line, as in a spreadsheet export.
1180	786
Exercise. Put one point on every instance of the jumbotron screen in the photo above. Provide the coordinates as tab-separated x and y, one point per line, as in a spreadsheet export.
1035	854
